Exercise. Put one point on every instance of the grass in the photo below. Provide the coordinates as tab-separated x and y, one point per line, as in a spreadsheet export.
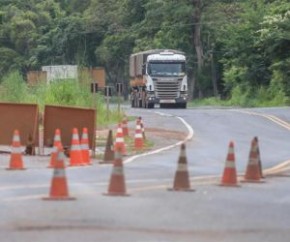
129	142
68	92
244	100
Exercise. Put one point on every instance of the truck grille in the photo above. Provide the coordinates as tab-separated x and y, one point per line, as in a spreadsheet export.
167	89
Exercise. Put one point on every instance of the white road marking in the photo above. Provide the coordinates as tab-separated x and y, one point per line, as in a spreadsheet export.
188	137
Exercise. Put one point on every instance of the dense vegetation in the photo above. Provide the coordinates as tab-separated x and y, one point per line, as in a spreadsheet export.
237	49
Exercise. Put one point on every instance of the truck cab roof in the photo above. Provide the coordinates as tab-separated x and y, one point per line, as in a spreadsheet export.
165	56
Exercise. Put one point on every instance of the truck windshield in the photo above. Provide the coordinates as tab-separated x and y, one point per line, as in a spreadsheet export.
166	69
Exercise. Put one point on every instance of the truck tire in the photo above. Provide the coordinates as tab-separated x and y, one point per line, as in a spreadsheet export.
150	105
136	102
164	105
182	105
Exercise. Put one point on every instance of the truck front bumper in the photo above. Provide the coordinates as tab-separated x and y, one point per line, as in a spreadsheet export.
167	101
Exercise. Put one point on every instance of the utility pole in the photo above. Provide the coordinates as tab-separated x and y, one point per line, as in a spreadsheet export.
94	90
108	94
119	87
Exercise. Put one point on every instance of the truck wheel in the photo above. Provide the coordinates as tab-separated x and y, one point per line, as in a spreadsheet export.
140	104
150	105
164	105
135	102
182	105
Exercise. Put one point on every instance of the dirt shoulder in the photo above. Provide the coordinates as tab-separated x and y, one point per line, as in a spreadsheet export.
156	137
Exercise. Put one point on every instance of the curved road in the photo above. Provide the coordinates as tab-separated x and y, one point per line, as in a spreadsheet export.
253	212
213	129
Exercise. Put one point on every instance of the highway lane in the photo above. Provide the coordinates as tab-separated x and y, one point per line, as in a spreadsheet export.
253	212
215	128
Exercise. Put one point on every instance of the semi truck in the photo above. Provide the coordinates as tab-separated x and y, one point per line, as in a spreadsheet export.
158	76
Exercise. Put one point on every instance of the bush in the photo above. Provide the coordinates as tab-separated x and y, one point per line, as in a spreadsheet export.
67	92
13	88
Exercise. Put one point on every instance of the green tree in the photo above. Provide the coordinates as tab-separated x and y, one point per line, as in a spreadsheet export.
23	23
243	60
275	41
113	22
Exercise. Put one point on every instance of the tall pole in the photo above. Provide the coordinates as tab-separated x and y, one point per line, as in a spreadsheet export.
94	90
119	91
107	99
108	93
95	127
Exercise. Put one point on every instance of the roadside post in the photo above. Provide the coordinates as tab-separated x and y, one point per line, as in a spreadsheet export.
94	90
119	87
108	94
41	135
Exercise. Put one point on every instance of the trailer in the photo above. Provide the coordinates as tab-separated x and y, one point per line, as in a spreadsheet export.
158	77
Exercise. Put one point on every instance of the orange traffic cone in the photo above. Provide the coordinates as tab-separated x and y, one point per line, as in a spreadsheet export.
253	169
139	144
76	158
125	127
16	161
109	151
117	186
56	145
259	158
181	179
142	128
59	187
230	174
85	147
119	142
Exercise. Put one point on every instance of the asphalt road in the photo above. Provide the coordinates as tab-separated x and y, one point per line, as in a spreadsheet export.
252	212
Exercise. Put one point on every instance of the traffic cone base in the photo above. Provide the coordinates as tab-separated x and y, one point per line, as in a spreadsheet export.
64	198
16	164
117	194
117	185
181	189
229	184
252	181
15	169
59	190
229	178
78	164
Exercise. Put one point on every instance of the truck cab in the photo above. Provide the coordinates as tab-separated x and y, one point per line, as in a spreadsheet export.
163	80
